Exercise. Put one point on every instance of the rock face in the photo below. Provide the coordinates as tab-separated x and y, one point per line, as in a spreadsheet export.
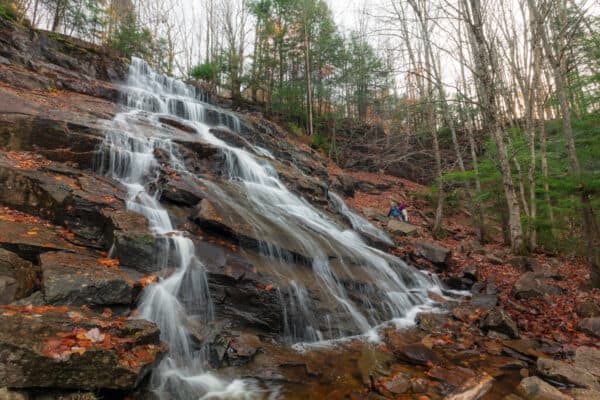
74	279
534	284
71	348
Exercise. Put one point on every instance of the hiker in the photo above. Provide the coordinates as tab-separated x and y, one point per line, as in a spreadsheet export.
403	212
394	212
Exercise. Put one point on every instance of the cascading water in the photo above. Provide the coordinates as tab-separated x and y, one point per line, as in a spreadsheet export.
389	288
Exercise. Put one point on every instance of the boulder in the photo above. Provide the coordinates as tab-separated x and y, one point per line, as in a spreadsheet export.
72	348
375	214
534	284
79	279
568	374
397	227
22	271
498	321
433	252
533	388
590	326
588	359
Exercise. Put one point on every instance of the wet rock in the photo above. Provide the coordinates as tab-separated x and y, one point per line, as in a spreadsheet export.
24	273
588	309
139	250
534	284
588	359
78	279
416	353
498	321
590	326
71	348
176	123
397	227
181	191
434	253
473	388
533	388
430	322
453	376
419	385
562	372
397	385
242	348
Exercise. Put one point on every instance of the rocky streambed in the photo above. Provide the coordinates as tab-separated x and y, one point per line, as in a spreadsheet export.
74	260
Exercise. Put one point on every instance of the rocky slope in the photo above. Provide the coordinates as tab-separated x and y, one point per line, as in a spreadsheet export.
74	260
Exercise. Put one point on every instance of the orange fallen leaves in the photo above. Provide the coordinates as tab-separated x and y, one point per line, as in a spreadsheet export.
147	280
109	262
27	160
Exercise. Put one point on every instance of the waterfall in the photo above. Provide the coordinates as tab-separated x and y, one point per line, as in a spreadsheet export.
389	288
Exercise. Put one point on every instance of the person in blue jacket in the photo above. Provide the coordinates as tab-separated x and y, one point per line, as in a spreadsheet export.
395	212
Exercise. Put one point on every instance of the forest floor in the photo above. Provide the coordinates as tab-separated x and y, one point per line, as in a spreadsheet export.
554	317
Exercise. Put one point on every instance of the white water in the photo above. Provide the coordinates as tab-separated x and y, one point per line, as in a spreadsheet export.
183	296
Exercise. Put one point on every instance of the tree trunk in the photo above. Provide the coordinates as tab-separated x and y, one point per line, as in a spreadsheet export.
486	93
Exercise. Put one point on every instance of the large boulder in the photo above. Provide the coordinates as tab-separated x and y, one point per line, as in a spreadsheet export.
397	227
72	348
433	252
79	279
533	388
562	372
534	284
499	322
